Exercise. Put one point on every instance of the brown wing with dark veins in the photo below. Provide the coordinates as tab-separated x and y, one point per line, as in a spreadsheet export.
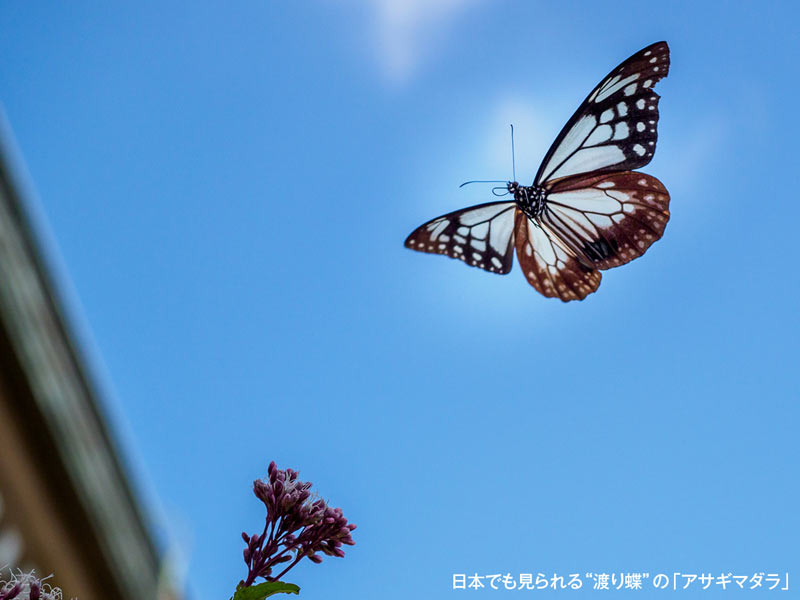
554	270
609	218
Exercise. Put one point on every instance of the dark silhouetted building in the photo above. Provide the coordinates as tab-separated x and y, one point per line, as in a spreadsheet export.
67	505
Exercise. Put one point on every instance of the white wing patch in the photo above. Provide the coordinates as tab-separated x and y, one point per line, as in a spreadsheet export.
575	138
612	86
481	236
588	158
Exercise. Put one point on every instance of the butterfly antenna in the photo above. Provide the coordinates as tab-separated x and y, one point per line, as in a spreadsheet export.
481	181
513	159
500	191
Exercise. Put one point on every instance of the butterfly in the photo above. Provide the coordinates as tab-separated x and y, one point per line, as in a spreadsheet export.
587	209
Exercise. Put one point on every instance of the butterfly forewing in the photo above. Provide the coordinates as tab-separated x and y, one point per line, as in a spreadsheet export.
549	266
481	236
615	128
611	218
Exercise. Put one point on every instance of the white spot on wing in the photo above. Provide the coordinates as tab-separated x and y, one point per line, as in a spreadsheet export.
590	159
480	230
541	244
600	220
571	142
439	228
614	85
586	200
599	135
501	231
478	215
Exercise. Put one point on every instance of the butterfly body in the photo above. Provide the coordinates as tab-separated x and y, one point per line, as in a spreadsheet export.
529	199
587	210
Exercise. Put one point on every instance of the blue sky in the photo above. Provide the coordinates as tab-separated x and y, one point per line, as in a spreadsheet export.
226	189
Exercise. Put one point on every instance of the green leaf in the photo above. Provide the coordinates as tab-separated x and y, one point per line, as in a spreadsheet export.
264	590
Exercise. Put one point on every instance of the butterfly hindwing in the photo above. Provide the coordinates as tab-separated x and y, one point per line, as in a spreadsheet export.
481	236
553	269
615	128
609	219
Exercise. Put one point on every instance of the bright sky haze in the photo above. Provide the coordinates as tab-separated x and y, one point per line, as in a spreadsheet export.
225	189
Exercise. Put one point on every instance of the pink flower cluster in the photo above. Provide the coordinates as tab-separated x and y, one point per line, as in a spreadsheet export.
299	524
